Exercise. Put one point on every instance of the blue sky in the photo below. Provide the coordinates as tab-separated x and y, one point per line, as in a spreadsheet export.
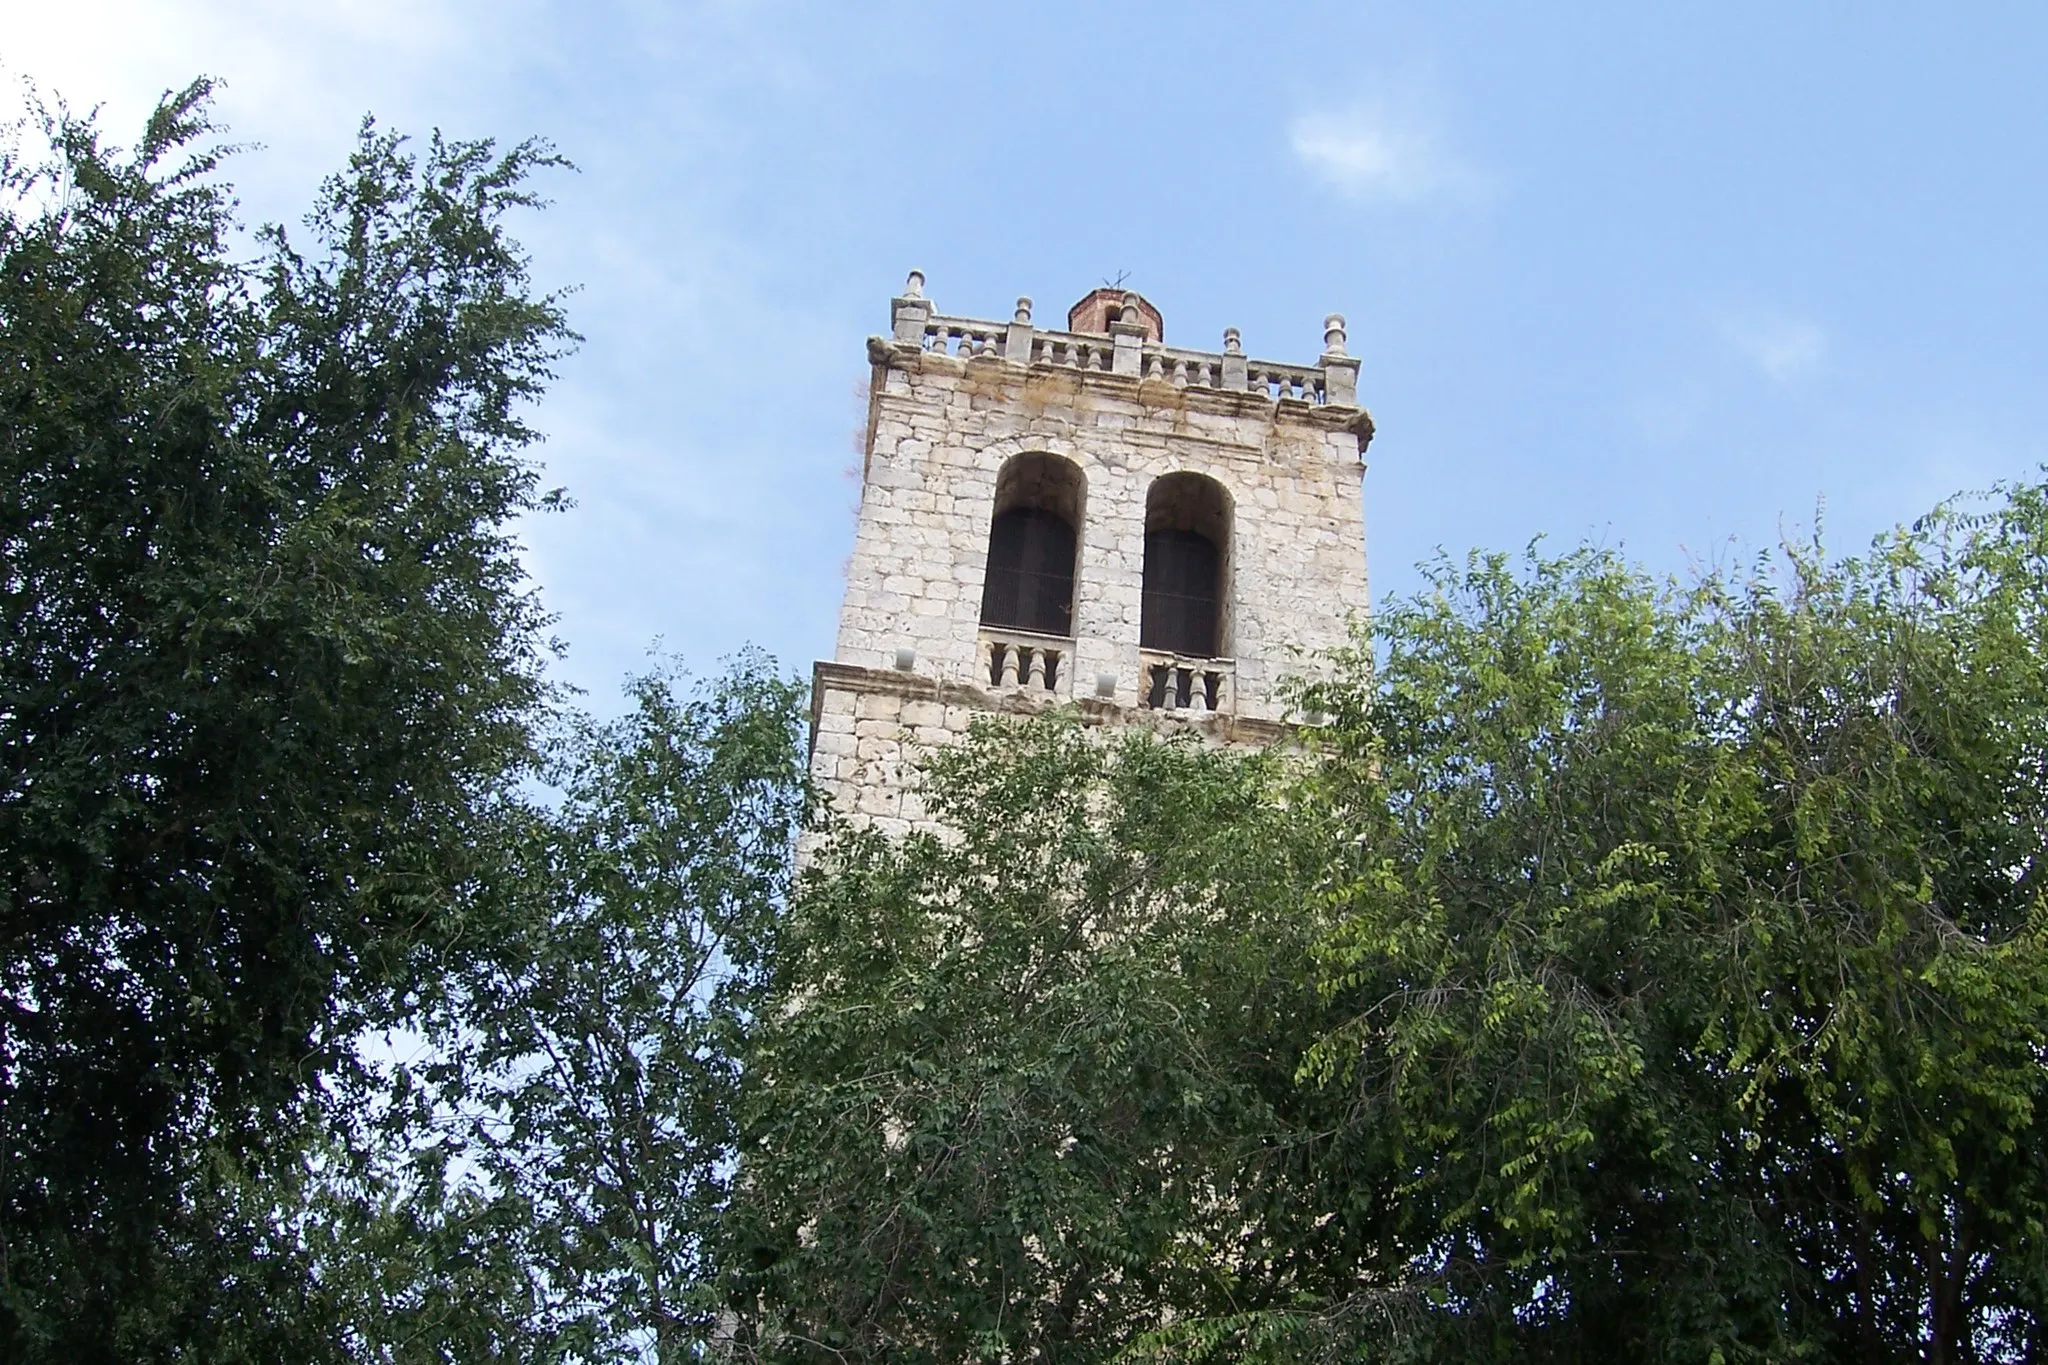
1664	277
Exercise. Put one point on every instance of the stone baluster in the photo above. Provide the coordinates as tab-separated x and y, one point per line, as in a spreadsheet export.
1180	373
1036	677
1017	342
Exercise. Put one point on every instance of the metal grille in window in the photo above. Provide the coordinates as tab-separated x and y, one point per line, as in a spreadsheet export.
1183	572
1030	581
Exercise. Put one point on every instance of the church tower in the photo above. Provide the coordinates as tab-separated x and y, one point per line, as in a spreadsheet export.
1086	518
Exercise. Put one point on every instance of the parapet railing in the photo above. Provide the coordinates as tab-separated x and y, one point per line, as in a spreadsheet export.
1025	661
1126	351
1174	682
963	337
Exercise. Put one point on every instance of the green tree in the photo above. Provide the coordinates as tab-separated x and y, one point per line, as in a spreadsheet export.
1622	970
1028	1090
544	1178
266	653
1695	963
595	1056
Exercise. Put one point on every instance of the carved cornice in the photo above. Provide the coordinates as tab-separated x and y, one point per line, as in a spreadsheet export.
911	358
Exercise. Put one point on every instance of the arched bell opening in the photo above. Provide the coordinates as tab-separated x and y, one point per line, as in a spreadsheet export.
1033	546
1187	567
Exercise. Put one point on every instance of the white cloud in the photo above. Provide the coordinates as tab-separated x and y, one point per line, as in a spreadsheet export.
1785	349
1371	153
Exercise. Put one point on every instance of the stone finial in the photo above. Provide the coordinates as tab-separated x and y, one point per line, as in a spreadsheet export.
1333	334
909	311
1236	377
1340	371
1129	331
1017	337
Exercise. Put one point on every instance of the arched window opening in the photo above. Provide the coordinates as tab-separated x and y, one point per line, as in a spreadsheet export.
1031	547
1187	545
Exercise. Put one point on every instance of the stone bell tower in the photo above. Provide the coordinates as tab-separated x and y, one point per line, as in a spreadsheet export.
1086	517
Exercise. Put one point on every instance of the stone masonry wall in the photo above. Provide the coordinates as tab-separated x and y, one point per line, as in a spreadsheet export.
871	729
941	428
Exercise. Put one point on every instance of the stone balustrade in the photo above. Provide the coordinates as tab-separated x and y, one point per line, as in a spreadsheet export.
1333	380
963	337
1071	351
1024	661
1172	682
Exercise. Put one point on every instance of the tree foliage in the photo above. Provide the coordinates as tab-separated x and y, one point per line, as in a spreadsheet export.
544	1177
1030	1088
1624	969
265	653
594	1057
1698	968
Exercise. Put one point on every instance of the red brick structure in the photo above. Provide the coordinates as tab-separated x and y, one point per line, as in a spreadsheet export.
1102	307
